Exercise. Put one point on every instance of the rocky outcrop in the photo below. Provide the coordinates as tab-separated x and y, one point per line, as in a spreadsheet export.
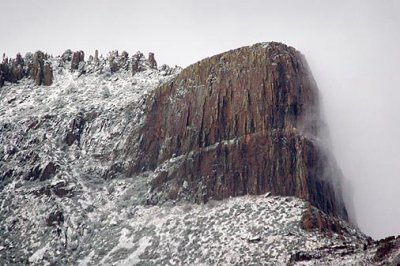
381	252
315	220
67	55
3	73
12	70
386	248
136	65
47	75
35	67
55	218
118	62
243	122
77	57
76	127
152	61
41	172
39	66
41	71
48	171
96	55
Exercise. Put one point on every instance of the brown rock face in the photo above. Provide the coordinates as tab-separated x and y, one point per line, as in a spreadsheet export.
47	75
96	55
118	61
152	61
243	122
36	68
11	70
3	73
48	171
17	71
77	57
41	173
67	55
136	67
314	219
385	248
75	130
40	71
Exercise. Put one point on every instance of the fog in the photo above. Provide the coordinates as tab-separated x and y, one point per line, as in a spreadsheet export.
353	48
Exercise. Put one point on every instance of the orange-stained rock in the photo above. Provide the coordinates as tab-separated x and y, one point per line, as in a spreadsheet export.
242	122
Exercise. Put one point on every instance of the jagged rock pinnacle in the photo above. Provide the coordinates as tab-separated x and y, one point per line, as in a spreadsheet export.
39	66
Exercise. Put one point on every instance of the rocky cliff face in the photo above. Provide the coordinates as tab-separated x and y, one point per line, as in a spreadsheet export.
243	122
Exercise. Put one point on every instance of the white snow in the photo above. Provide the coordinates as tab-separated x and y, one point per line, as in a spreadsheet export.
133	258
38	255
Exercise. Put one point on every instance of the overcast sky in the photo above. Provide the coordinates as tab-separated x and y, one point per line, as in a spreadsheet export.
353	48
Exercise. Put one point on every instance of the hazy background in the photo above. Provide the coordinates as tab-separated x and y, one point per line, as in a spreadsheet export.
353	48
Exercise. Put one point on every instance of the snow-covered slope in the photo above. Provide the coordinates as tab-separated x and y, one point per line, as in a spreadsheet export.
60	141
80	122
65	200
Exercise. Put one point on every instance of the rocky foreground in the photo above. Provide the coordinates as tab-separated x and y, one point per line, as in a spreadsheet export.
117	161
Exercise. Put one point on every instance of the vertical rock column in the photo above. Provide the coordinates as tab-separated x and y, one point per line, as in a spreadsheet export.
41	71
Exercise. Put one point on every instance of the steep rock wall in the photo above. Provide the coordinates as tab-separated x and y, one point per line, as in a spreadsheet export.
242	122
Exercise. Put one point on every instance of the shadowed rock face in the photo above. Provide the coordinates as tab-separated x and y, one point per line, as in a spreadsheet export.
242	122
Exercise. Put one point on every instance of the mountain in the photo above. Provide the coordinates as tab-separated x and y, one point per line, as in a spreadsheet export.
117	161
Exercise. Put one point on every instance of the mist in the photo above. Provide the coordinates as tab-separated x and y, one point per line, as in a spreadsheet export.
352	47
